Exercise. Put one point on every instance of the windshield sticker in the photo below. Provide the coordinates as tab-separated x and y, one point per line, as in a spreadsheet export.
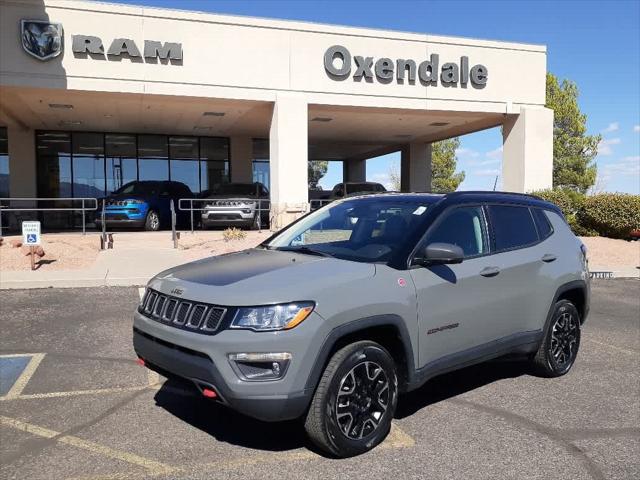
420	210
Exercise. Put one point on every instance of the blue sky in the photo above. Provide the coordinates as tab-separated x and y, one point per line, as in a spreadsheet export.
594	43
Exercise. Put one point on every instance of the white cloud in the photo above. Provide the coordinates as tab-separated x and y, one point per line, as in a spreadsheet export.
483	163
487	172
626	166
496	153
382	178
604	147
636	128
612	127
466	152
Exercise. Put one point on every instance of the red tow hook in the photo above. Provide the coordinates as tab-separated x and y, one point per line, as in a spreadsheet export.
140	362
207	392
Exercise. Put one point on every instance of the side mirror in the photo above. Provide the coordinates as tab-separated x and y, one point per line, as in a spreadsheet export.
440	254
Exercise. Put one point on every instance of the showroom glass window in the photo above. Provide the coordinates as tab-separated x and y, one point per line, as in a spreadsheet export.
87	165
153	157
54	164
4	163
184	155
92	164
260	161
121	160
214	163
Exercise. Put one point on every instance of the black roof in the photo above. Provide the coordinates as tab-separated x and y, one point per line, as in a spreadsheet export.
470	197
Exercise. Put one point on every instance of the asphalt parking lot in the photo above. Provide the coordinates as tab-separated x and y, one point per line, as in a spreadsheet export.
74	404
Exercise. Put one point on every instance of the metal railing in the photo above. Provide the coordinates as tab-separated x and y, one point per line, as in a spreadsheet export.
93	202
262	206
316	203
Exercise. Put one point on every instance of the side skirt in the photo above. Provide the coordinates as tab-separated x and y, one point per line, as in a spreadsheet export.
519	343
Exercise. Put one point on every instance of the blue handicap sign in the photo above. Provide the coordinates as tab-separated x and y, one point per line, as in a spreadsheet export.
31	238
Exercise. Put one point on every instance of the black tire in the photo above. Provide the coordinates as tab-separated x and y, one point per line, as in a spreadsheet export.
559	348
255	224
152	222
353	430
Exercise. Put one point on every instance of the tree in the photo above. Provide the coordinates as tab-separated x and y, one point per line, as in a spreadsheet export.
316	170
443	166
573	151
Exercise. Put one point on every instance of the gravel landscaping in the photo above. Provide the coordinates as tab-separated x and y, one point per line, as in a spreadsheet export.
75	252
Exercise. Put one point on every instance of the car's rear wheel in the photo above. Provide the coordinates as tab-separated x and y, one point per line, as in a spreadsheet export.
355	401
559	348
152	223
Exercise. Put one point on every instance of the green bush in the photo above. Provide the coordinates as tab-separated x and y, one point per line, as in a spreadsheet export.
232	234
612	215
568	201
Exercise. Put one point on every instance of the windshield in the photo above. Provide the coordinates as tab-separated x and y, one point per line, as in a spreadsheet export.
361	229
246	189
138	188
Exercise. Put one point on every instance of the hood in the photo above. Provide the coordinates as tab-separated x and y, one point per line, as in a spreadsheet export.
257	276
126	196
251	198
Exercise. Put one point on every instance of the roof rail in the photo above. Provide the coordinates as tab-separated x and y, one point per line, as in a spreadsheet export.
490	192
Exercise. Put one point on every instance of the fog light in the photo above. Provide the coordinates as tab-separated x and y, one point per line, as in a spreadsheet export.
260	366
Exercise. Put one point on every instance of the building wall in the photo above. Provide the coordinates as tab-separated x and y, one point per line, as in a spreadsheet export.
247	58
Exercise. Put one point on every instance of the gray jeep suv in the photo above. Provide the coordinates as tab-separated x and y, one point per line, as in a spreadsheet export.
334	316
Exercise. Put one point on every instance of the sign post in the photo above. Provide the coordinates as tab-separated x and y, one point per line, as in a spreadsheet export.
31	238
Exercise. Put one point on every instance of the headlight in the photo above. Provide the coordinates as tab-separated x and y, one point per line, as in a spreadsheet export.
272	317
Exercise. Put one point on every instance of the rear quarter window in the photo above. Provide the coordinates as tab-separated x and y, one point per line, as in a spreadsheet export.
542	223
512	227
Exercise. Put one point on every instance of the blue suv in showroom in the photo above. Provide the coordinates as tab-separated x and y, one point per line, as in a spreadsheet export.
143	204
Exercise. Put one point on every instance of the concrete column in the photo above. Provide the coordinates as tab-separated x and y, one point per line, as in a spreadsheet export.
242	159
415	167
22	162
355	171
527	158
288	157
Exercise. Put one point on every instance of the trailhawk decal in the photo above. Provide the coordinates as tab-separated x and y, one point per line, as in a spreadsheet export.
443	328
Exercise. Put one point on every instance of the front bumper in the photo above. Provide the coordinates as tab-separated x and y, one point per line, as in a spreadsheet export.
134	216
203	359
228	216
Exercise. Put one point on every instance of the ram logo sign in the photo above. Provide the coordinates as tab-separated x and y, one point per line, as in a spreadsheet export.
41	39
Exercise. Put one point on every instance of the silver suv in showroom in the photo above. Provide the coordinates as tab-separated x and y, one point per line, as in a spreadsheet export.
333	317
237	205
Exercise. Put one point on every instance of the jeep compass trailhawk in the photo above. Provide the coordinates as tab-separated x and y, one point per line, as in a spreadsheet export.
334	316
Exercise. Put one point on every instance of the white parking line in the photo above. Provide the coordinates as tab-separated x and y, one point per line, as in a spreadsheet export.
26	374
153	467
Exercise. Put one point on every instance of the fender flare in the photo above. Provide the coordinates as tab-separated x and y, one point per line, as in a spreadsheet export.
355	326
573	285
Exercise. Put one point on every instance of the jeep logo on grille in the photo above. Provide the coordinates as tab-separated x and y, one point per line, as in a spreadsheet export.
177	291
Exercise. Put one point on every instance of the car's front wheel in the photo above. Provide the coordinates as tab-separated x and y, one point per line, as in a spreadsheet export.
152	223
355	401
559	348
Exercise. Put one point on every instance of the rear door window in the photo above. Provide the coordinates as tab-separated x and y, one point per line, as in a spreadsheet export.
512	227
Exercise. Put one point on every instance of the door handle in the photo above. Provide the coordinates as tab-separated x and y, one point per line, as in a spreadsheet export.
549	257
490	271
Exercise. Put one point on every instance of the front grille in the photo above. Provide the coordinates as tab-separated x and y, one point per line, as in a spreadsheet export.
195	316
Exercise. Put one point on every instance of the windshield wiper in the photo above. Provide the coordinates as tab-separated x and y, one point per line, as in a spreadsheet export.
304	249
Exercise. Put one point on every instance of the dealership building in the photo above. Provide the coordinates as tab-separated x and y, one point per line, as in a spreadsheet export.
93	95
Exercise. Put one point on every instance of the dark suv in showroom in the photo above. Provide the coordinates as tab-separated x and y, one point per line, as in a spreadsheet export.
334	316
143	204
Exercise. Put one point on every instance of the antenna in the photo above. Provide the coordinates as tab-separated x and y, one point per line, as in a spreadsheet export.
495	183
